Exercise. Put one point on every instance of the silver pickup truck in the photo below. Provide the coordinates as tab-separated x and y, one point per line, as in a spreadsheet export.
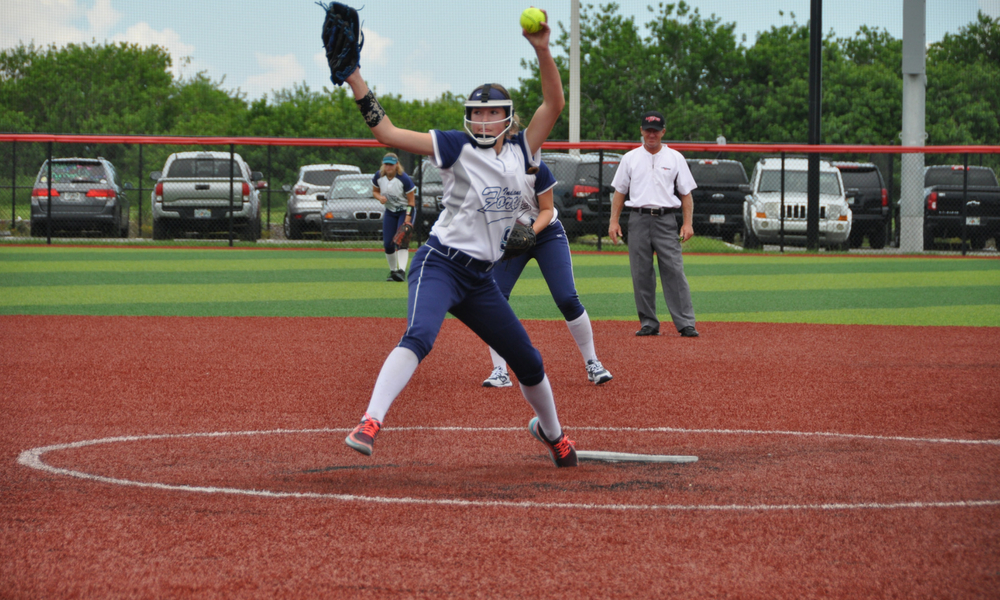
193	195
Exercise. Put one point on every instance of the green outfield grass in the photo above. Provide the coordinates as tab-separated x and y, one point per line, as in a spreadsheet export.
82	280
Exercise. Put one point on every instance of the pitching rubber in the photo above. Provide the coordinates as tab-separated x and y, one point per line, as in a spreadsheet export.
602	456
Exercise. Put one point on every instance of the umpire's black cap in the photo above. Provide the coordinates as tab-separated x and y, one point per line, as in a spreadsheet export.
652	120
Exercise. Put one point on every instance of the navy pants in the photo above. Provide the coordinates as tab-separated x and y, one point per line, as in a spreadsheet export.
391	221
439	285
551	252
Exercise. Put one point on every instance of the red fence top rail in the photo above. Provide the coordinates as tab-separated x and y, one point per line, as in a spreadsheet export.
370	143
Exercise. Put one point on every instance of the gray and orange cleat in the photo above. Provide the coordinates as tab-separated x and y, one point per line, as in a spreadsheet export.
363	437
562	451
596	372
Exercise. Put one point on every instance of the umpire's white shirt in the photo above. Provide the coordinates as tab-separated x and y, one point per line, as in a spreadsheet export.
653	180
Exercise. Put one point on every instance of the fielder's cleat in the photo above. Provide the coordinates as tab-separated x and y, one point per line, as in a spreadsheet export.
562	451
390	276
398	275
363	437
596	372
498	378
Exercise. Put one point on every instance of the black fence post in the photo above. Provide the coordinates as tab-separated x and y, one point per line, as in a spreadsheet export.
13	183
232	182
269	146
139	191
48	203
965	202
781	226
600	194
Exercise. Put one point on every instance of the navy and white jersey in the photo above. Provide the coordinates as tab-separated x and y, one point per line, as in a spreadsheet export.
541	182
484	192
395	190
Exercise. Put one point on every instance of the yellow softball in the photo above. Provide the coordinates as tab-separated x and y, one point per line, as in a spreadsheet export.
532	19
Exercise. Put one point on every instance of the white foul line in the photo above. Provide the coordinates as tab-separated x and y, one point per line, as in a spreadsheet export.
33	459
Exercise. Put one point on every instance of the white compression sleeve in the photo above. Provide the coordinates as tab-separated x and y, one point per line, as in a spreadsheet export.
396	372
541	400
584	336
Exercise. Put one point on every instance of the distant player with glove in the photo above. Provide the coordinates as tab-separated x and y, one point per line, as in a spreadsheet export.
485	188
550	248
395	189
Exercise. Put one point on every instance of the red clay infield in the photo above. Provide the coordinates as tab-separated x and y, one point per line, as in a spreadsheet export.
834	461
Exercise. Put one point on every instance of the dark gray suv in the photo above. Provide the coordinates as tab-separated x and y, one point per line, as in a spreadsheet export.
87	195
866	194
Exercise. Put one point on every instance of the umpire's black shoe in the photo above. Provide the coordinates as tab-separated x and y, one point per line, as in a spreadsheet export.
647	330
689	331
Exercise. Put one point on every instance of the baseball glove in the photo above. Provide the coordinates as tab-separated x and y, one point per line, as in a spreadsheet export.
520	239
403	235
342	39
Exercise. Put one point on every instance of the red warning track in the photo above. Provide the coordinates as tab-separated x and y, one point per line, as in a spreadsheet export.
834	461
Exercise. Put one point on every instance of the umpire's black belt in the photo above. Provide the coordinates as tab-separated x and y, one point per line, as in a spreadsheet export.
655	211
460	257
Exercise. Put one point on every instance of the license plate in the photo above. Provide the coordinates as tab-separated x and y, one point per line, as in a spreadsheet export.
972	220
202	213
717	218
72	197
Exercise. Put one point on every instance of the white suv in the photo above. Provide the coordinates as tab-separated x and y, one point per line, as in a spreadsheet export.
762	211
306	197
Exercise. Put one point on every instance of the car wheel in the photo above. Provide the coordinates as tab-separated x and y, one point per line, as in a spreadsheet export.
729	236
750	241
37	229
160	230
977	242
928	240
876	238
292	230
251	232
856	238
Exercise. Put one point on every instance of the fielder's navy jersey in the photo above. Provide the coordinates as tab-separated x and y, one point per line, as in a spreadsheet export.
394	190
484	192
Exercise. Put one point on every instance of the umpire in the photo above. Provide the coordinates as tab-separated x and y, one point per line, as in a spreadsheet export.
659	184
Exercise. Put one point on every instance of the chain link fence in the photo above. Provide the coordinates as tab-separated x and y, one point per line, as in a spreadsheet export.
749	197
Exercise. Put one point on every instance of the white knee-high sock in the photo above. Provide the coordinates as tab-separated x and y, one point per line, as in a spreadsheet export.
396	372
541	400
584	336
498	360
390	257
402	256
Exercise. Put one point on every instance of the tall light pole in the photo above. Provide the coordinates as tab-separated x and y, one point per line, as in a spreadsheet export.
574	73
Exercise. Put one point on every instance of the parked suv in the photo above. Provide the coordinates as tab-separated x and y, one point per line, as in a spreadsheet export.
194	192
350	211
718	200
869	202
762	214
307	196
582	194
87	195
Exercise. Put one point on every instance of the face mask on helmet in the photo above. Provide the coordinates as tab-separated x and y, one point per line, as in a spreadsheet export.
487	97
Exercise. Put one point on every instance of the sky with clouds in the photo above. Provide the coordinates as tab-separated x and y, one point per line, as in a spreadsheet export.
418	50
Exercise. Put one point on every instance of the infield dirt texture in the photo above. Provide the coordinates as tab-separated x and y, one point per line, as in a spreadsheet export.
845	412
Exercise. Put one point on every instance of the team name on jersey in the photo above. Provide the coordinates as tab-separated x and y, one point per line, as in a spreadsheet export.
499	203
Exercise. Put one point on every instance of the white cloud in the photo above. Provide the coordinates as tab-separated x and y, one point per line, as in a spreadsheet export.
21	19
168	39
375	50
421	84
279	72
102	17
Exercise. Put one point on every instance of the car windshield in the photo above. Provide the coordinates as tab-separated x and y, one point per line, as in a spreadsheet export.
321	178
718	172
861	179
73	173
796	182
956	177
203	167
589	172
352	188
